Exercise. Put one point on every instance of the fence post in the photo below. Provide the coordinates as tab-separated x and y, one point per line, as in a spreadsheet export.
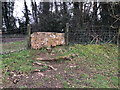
29	36
118	36
66	34
0	15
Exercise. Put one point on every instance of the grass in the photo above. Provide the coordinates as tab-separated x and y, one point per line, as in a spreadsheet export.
19	61
102	60
66	84
46	78
59	77
44	68
14	46
96	66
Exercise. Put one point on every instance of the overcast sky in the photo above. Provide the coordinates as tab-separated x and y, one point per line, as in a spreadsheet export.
19	6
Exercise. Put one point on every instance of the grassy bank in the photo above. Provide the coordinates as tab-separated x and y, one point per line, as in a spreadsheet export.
93	66
14	46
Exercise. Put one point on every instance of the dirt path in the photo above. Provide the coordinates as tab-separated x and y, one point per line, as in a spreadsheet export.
50	78
80	72
6	40
64	71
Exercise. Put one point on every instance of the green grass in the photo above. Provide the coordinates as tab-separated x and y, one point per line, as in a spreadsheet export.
19	61
102	60
14	46
66	84
59	77
46	78
96	66
44	68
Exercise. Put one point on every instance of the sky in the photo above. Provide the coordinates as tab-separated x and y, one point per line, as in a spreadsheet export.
19	6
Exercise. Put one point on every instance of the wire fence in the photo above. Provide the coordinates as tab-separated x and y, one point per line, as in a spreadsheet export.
94	35
17	40
14	41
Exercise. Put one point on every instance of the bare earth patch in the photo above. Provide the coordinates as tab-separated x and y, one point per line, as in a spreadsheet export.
7	40
83	70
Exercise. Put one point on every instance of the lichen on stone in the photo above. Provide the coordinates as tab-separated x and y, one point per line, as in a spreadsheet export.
46	39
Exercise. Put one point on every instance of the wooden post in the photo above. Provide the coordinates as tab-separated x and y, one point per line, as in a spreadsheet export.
66	33
0	15
29	37
118	36
0	42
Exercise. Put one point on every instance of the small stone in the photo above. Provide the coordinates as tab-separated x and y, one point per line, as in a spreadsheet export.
39	58
52	54
41	74
36	70
15	81
73	55
49	50
72	66
12	51
77	54
27	77
14	75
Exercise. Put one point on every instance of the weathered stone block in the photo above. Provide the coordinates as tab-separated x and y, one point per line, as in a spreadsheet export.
46	39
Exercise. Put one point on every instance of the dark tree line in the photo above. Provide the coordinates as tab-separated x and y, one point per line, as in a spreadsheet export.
52	16
7	16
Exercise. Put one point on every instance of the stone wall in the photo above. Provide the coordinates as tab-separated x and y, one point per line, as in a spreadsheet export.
46	39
